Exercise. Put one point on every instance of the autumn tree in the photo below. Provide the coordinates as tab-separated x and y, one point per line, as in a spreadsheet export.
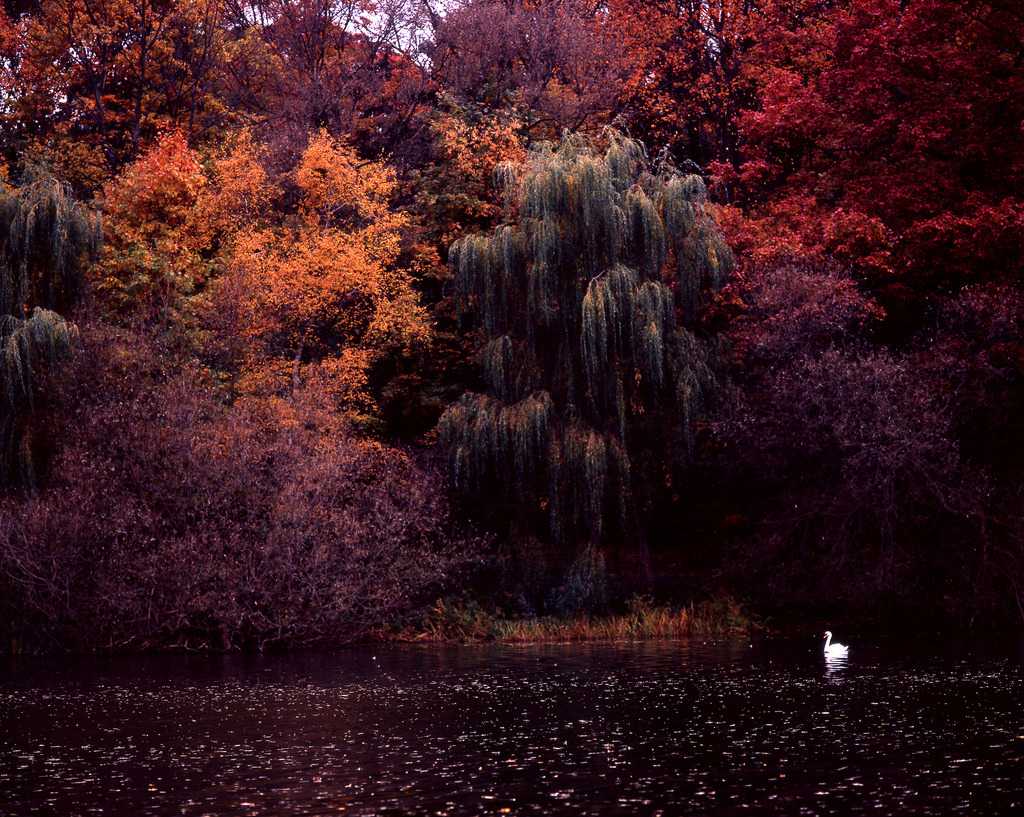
686	72
92	82
158	245
886	134
46	238
454	187
347	66
554	62
448	195
883	136
247	527
846	468
317	294
595	379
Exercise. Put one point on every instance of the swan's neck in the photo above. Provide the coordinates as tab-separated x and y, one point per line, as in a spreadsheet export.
828	640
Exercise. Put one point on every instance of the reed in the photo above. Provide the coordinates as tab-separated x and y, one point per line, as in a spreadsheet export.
462	621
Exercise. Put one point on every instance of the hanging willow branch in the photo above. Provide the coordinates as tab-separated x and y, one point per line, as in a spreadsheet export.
42	341
579	300
703	260
46	239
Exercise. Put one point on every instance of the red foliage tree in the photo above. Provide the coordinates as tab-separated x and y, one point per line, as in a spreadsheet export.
887	135
686	72
158	248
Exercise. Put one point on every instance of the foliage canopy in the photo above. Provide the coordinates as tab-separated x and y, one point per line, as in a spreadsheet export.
316	296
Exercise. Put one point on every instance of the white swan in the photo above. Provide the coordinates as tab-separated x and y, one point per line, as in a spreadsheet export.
833	650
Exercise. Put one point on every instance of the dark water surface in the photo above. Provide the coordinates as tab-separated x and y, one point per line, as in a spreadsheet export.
670	728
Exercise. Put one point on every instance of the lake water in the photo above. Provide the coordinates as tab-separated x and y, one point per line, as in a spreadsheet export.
672	728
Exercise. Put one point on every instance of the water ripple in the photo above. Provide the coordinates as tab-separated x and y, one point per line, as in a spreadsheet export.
631	729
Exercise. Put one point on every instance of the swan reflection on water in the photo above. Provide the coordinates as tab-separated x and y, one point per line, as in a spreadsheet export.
835	663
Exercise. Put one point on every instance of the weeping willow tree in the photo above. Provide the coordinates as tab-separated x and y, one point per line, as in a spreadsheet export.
587	302
45	240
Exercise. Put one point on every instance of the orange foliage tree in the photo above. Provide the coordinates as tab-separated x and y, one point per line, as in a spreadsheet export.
93	81
315	296
158	248
453	194
455	188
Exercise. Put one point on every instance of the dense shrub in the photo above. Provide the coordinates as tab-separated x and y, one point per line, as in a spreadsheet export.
172	519
858	496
